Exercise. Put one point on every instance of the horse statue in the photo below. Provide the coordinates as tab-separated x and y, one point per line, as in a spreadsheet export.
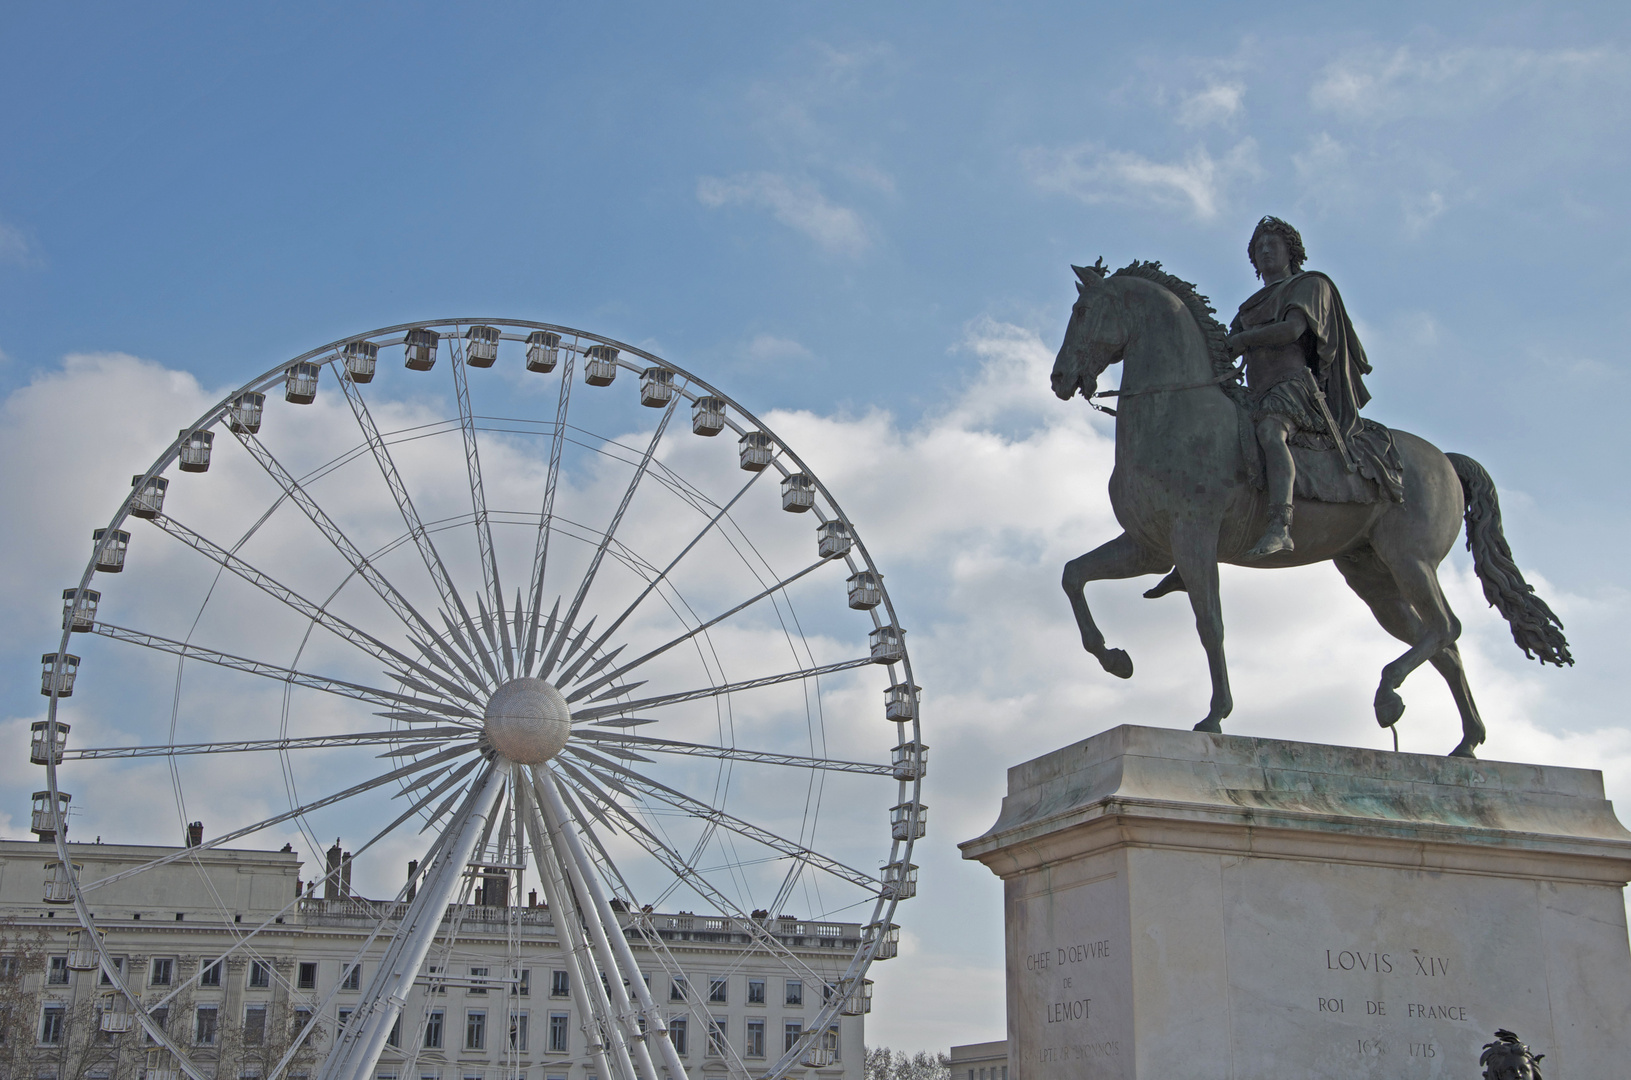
1182	490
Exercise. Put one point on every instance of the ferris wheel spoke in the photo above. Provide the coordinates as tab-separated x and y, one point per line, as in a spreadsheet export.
567	675
315	612
478	503
319	517
313	742
340	687
609	742
605	541
598	711
546	514
681	868
583	691
703	812
248	830
356	1051
432	559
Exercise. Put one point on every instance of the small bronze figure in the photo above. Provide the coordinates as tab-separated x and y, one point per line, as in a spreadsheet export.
1507	1058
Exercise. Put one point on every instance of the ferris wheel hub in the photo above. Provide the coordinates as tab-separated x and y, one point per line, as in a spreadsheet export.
528	721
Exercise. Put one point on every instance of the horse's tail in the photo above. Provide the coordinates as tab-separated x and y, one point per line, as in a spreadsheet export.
1536	629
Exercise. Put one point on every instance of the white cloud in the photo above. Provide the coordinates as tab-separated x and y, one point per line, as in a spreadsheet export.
798	204
1199	184
1219	103
770	349
14	247
1381	85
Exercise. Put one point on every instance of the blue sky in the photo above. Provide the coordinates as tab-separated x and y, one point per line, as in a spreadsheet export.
862	216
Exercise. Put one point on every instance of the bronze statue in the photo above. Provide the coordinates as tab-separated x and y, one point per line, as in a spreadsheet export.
1193	485
1507	1058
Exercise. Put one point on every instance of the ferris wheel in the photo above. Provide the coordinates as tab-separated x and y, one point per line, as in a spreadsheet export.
541	619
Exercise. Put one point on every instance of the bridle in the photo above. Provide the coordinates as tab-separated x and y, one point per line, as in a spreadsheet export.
1228	376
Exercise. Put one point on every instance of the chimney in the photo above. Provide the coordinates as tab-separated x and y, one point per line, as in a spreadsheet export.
331	875
413	878
345	876
195	834
532	897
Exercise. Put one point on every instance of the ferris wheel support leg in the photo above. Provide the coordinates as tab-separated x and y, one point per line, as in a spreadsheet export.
584	878
627	1032
356	1056
564	914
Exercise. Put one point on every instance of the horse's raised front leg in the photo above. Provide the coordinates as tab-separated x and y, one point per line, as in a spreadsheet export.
1195	551
1122	557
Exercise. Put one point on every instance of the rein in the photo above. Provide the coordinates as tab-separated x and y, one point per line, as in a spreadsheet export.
1228	376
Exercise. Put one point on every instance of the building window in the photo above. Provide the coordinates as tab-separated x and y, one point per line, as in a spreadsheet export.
557	1032
518	1031
106	980
791	1030
433	1030
162	971
678	1028
306	975
254	1025
677	988
208	1027
51	1024
560	984
478	980
10	967
395	1037
210	975
302	1017
161	1020
756	991
475	1029
718	1044
260	975
717	989
523	981
341	1016
57	975
353	978
795	992
756	1039
440	987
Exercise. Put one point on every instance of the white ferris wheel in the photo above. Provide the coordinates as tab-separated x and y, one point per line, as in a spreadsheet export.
675	706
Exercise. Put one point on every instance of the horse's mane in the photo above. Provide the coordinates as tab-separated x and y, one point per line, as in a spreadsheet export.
1200	309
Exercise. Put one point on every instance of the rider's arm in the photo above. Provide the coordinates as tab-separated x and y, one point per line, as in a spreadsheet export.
1284	332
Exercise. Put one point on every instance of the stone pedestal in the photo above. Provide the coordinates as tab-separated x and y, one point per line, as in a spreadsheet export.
1182	906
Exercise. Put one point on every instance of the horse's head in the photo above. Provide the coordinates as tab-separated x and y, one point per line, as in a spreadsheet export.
1095	338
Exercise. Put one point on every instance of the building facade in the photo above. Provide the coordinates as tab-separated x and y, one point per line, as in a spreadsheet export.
239	959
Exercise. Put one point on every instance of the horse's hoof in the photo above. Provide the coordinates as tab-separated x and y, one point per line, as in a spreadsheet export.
1117	663
1172	583
1463	751
1214	727
1389	707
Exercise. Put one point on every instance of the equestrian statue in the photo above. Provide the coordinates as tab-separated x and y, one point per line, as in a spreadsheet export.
1279	471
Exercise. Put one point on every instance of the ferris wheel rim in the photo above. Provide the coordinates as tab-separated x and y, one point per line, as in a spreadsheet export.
885	906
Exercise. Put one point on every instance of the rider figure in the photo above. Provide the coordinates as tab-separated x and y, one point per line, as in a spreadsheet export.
1303	368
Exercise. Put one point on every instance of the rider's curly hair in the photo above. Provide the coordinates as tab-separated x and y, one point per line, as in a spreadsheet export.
1293	239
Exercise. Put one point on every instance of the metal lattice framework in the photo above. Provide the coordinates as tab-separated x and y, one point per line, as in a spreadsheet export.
658	620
